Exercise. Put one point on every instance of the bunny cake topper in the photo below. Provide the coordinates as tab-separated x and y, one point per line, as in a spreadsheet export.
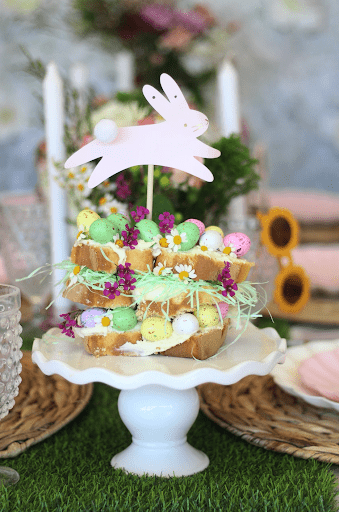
172	143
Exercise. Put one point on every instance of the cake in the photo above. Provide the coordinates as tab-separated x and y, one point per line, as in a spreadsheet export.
154	287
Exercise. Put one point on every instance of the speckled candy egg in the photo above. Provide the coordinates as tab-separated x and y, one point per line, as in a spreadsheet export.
118	221
153	328
88	319
86	218
240	241
192	235
208	316
223	306
102	231
211	239
148	229
185	324
198	223
124	319
215	228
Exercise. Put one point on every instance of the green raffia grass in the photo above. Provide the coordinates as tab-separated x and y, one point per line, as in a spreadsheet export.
70	472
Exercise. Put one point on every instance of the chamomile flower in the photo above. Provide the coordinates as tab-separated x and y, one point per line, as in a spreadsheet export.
161	270
159	241
185	272
107	186
174	239
108	205
117	240
230	250
82	234
73	277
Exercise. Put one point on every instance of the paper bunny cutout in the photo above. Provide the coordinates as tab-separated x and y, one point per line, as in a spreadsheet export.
172	143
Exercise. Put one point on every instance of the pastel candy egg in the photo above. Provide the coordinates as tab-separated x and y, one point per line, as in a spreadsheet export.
124	319
154	329
88	319
148	229
86	218
211	239
215	228
223	306
185	324
208	315
102	231
118	221
198	223
240	241
192	235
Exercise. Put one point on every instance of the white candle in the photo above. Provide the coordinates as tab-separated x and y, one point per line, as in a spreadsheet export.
228	99
54	132
124	65
229	120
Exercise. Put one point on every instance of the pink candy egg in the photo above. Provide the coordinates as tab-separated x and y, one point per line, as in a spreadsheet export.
240	241
223	308
198	223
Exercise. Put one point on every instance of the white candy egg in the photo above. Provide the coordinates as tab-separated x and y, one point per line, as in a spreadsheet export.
211	239
185	324
105	131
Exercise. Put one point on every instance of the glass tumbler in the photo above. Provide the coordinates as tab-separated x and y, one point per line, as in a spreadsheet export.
10	355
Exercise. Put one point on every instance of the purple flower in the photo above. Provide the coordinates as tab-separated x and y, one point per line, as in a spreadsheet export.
159	16
68	324
166	222
111	290
130	237
125	274
140	213
228	283
123	190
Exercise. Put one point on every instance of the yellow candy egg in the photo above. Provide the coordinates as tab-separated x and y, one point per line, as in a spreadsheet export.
208	316
86	218
154	328
215	228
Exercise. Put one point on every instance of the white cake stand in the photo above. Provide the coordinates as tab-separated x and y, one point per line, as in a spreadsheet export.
158	402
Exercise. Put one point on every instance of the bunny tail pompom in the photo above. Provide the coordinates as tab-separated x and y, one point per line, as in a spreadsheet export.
106	131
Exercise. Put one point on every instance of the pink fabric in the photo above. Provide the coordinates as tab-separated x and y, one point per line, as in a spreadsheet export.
321	264
307	206
320	373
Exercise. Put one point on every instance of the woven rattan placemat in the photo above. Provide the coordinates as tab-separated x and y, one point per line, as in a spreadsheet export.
44	405
260	412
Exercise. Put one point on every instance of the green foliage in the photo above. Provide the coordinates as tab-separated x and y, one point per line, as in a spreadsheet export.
279	324
234	175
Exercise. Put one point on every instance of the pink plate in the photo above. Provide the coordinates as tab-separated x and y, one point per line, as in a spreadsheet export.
320	373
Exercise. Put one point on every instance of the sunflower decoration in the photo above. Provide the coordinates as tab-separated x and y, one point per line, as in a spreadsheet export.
280	234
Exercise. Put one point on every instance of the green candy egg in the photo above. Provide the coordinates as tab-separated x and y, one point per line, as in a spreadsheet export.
124	319
192	235
118	221
102	231
148	229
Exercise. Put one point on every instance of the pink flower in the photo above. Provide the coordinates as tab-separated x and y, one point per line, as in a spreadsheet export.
166	222
159	16
140	213
228	283
125	273
130	237
68	324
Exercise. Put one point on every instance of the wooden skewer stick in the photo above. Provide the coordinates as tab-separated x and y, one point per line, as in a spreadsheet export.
150	179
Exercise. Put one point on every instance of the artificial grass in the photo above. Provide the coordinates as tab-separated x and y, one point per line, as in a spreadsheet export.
71	472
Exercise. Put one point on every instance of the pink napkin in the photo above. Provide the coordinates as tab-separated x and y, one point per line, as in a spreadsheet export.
320	373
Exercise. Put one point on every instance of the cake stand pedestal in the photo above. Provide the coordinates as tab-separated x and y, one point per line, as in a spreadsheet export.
158	401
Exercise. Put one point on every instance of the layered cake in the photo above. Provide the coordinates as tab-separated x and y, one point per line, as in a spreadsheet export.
155	287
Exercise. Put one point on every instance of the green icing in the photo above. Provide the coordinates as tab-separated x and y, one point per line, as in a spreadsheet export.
192	235
148	229
118	221
124	319
102	231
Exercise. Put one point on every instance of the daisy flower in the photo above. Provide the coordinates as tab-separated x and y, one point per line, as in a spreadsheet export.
82	234
230	250
107	186
117	240
175	239
161	270
185	272
73	277
109	205
159	241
